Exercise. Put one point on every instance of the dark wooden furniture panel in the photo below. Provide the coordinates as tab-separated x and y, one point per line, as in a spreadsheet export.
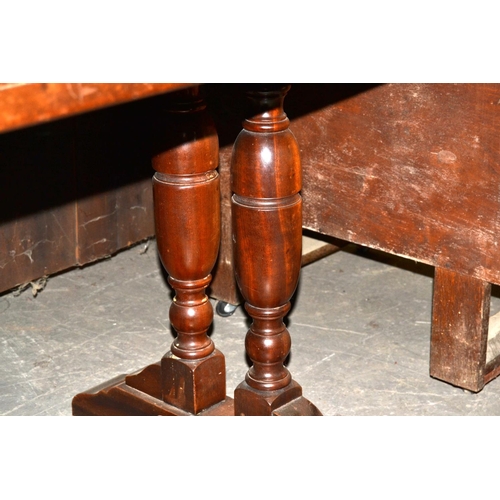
409	169
73	193
414	170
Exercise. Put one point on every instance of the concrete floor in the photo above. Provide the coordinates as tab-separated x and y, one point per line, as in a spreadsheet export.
360	329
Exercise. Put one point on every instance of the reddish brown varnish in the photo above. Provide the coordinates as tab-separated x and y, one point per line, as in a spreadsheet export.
408	169
267	236
187	215
24	104
413	170
79	187
460	313
190	379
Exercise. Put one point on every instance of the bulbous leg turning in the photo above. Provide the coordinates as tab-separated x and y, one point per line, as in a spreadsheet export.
267	239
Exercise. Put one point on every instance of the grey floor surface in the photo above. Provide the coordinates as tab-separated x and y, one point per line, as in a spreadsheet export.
360	327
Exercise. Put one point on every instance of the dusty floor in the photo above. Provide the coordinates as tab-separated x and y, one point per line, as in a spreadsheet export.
360	329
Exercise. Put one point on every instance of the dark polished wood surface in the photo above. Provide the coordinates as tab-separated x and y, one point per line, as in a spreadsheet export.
267	237
267	242
191	377
410	169
186	191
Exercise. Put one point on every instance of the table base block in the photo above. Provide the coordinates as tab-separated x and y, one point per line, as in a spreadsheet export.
138	394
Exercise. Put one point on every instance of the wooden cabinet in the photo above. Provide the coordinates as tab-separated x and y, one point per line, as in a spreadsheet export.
77	188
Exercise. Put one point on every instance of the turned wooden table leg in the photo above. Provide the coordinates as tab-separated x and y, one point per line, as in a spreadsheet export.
267	236
191	378
187	216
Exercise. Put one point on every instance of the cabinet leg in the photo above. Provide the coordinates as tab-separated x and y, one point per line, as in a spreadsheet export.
460	315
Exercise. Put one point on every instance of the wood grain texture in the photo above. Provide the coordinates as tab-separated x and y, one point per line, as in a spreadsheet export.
190	379
25	104
79	190
186	193
460	315
409	169
112	175
267	241
37	233
138	394
413	170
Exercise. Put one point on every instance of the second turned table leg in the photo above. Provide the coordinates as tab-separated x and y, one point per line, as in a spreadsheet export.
267	236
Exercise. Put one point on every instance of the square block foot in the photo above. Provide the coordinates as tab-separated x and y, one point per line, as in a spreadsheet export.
193	385
284	402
